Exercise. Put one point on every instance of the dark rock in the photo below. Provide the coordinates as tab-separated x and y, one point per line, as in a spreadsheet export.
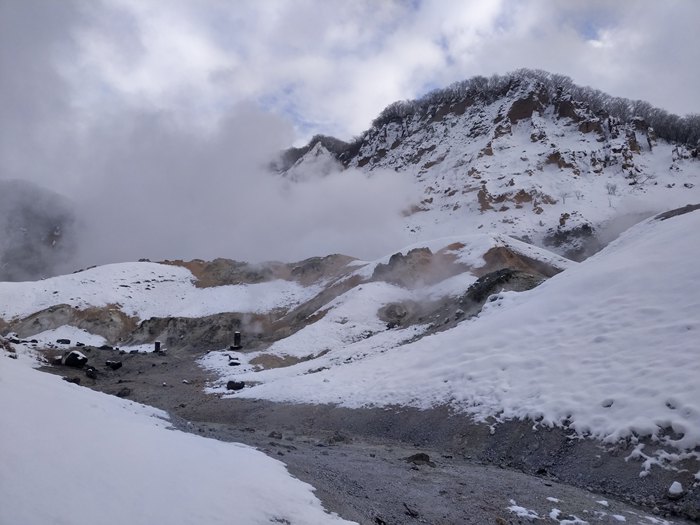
420	458
14	340
411	512
106	347
91	372
63	341
74	359
678	211
234	363
124	392
74	380
235	385
524	108
114	365
487	285
79	344
275	435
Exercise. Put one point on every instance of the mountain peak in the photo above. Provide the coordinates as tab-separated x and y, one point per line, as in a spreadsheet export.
530	154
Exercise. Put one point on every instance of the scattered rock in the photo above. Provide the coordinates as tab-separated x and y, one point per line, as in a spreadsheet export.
235	385
74	359
275	435
74	380
114	365
63	341
124	392
411	512
106	347
91	372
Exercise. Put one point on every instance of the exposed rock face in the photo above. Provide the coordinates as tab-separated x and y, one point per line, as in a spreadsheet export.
497	281
110	322
579	241
212	332
221	272
419	267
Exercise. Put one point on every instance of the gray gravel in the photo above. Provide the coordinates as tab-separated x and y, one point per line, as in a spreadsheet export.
356	458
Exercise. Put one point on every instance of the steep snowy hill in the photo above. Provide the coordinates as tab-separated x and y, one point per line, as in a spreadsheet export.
529	154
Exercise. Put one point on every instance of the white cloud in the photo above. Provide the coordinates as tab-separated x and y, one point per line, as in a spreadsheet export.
333	65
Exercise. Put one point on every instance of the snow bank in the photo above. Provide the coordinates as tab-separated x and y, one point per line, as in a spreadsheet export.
147	290
72	333
609	346
71	455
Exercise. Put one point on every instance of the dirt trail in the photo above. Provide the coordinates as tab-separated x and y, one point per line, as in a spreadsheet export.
357	458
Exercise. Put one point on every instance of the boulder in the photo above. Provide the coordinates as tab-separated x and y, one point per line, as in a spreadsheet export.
114	365
124	392
74	359
63	341
91	372
235	385
421	458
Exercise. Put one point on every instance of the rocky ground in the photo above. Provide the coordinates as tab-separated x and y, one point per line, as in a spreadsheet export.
394	466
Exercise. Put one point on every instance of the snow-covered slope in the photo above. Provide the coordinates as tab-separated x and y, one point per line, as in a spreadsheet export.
609	347
144	290
71	455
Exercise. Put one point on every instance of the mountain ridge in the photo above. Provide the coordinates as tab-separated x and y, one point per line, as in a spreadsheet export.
530	154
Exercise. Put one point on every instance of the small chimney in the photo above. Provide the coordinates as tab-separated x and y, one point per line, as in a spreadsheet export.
236	341
156	347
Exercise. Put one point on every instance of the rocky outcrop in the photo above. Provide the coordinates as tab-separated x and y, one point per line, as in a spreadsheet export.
109	322
419	267
74	359
197	334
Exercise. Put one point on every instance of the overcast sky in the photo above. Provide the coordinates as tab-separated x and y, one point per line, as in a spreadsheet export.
97	90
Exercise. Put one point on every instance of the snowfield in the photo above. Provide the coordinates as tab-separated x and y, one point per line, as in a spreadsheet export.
146	290
610	346
71	455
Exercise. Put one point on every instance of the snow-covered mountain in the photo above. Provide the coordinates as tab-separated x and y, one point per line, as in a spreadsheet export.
528	154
